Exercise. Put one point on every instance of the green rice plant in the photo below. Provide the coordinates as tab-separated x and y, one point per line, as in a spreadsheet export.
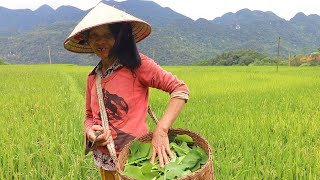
261	124
41	124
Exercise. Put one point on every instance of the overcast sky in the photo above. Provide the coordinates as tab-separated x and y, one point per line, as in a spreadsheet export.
192	8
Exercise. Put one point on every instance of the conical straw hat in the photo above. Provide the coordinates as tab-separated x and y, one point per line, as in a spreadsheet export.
99	15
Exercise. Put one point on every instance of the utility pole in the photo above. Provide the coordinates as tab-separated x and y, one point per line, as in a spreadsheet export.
278	54
49	54
289	57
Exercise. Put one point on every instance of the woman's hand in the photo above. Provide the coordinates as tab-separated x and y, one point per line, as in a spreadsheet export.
102	139
160	146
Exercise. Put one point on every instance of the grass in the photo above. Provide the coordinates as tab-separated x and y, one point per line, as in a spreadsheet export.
260	124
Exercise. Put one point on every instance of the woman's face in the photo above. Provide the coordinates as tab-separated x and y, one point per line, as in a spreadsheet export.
101	40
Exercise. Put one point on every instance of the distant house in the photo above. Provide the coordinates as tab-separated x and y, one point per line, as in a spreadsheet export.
315	56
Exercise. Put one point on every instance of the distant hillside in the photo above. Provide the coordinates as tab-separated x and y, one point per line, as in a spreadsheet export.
312	59
246	16
26	36
2	62
24	20
238	58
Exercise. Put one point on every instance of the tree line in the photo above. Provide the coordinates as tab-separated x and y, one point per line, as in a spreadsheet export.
2	62
245	57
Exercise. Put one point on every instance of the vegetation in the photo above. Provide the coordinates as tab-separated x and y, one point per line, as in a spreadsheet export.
175	39
250	57
2	62
261	124
188	158
238	57
308	60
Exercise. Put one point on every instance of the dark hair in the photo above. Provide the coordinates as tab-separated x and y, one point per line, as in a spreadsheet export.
124	48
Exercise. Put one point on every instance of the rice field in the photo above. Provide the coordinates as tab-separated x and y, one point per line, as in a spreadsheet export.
261	124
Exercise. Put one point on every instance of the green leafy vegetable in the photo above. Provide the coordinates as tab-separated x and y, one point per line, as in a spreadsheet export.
188	158
191	159
134	172
174	170
184	138
179	150
139	152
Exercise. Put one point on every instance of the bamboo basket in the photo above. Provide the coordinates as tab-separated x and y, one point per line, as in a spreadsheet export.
204	173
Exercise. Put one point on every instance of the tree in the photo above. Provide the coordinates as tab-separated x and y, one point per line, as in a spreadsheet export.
2	62
241	57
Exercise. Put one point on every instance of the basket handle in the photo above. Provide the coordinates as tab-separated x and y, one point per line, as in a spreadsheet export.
153	117
104	117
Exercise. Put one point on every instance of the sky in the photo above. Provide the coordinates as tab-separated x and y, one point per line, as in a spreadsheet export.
208	9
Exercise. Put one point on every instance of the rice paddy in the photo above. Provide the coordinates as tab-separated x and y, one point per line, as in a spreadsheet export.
261	124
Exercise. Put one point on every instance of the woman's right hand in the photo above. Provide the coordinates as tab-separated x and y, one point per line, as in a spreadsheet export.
102	139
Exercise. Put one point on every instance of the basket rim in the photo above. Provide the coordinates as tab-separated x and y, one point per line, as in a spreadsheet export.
208	163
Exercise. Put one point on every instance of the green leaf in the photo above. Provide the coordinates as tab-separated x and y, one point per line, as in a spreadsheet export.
191	159
151	175
180	151
203	154
146	168
133	172
185	146
179	159
147	171
139	152
145	162
134	146
174	157
161	178
184	138
136	161
174	170
145	150
188	158
185	173
156	167
196	167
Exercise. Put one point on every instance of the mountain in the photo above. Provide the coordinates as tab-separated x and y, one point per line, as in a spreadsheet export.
149	11
246	16
26	36
24	20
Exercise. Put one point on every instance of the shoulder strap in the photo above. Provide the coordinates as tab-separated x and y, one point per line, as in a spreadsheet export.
104	118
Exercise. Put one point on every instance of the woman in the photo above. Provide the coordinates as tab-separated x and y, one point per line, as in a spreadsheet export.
126	77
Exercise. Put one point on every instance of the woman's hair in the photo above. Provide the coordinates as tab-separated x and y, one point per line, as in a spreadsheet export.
124	48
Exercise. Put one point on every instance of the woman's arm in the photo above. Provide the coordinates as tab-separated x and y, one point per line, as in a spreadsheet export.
152	75
160	140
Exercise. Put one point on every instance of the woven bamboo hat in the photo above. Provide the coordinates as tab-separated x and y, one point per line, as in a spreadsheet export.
103	14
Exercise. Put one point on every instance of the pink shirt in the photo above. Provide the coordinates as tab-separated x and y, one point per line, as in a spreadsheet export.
126	99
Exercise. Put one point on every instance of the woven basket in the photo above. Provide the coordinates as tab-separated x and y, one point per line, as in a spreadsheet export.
206	171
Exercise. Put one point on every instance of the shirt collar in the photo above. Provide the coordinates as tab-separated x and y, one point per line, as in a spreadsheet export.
109	71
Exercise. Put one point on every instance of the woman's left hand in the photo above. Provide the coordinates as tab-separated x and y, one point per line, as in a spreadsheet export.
160	146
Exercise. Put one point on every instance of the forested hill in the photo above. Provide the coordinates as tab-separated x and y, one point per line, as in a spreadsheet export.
2	62
26	36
